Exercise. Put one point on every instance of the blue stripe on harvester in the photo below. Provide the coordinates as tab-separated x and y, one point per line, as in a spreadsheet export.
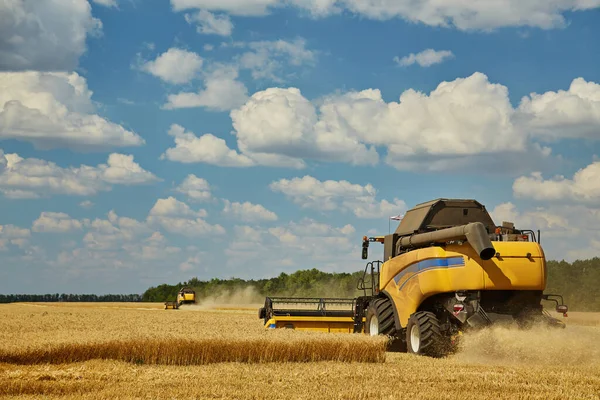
450	262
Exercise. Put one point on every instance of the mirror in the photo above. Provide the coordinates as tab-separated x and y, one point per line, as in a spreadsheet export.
365	249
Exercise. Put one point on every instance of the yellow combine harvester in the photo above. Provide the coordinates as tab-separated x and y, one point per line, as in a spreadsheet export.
185	295
448	268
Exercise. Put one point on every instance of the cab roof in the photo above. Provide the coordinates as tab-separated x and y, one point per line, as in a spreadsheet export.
444	213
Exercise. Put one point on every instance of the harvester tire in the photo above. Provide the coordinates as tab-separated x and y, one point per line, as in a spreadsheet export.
424	336
380	321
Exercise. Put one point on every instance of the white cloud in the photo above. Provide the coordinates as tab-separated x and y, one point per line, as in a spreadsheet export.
209	23
45	36
186	227
57	222
535	219
309	192
121	169
116	233
296	245
459	124
175	66
234	7
267	58
248	212
425	58
574	113
568	231
195	188
177	217
462	117
281	122
222	92
14	232
11	234
584	187
171	207
208	149
86	204
463	15
190	264
106	3
33	178
54	110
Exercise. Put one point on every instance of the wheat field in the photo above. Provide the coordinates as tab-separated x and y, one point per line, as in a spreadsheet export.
141	351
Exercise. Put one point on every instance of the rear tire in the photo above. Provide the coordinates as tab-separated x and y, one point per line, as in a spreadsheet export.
380	321
424	336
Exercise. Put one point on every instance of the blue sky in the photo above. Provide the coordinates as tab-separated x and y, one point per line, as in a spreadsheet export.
150	142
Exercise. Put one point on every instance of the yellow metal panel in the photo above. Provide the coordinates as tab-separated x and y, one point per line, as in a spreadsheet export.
513	270
412	277
318	324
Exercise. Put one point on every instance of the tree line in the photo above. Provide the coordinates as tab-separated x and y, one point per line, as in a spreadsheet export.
577	282
117	298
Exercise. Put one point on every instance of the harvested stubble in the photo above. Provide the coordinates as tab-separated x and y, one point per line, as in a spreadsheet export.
281	347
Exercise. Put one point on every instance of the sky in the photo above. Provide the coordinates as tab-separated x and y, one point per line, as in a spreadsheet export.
149	142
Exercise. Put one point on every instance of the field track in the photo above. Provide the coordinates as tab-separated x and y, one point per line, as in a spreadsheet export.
37	338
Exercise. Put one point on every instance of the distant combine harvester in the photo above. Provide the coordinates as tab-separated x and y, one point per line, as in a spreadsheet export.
186	295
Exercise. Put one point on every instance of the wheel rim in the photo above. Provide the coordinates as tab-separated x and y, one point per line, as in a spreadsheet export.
415	338
374	326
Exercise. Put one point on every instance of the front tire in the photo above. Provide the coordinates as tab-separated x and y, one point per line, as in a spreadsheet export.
380	321
424	336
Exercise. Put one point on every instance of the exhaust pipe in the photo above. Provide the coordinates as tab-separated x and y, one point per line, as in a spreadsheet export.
474	233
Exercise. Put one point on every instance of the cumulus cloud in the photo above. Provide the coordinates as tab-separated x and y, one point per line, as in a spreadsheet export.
248	212
463	15
222	92
171	207
116	232
121	169
265	59
195	188
584	187
207	148
426	58
572	113
209	23
568	231
465	116
86	204
234	7
14	232
177	217
459	124
56	222
282	122
54	110
44	36
295	245
175	66
309	192
106	3
33	178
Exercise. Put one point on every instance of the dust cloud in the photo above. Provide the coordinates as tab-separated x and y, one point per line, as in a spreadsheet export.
575	346
247	297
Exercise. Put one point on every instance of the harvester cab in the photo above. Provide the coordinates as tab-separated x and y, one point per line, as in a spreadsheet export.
446	269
